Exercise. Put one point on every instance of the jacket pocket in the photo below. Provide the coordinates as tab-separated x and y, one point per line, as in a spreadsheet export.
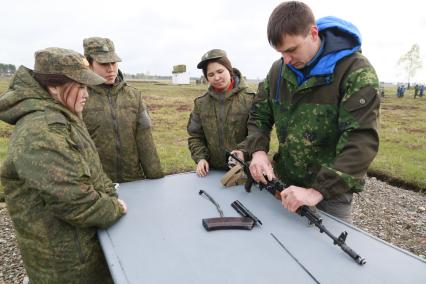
358	101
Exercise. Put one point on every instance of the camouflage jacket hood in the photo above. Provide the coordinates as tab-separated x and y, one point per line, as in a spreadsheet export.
119	124
56	192
218	122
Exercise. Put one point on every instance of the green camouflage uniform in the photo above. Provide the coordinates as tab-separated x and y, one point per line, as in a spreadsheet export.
119	124
326	127
218	122
56	192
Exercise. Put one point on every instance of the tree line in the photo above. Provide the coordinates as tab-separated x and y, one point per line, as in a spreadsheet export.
7	69
410	62
146	76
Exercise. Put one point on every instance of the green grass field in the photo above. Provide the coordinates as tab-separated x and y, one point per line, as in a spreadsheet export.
401	158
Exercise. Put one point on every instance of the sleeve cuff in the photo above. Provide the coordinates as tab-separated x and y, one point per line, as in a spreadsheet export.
330	183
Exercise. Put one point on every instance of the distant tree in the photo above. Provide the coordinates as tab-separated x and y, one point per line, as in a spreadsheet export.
12	68
411	62
7	69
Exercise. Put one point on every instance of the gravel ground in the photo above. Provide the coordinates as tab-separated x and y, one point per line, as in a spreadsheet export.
11	267
395	215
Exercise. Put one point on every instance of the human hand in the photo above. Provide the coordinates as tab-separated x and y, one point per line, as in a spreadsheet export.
202	168
231	161
260	166
123	205
293	197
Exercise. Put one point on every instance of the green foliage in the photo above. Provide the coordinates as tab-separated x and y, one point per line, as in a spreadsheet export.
402	151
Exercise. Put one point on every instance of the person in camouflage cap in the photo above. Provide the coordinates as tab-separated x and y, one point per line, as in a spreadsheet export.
117	118
322	97
218	120
55	189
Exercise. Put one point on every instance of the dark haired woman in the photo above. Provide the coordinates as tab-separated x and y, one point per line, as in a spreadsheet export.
219	118
56	191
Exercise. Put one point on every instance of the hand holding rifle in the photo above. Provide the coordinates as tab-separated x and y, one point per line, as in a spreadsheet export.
260	167
276	188
292	197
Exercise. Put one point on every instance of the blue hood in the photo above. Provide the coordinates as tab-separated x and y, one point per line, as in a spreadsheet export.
339	24
338	29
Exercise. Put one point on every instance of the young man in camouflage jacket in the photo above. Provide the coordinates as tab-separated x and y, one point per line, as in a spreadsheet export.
322	96
117	119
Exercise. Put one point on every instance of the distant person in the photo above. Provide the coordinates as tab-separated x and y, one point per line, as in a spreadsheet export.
416	90
382	91
219	118
117	119
400	90
422	90
322	97
56	191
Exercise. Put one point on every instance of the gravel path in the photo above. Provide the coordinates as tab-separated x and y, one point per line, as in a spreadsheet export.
395	215
390	213
11	267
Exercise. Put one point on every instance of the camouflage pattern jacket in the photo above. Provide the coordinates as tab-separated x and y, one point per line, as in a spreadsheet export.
56	192
219	121
326	119
119	124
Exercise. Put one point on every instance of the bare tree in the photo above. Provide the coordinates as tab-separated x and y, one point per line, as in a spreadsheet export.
411	62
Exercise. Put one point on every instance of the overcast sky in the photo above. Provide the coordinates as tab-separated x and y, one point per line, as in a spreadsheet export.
152	36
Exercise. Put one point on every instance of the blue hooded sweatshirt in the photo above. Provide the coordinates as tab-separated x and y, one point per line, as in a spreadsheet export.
339	39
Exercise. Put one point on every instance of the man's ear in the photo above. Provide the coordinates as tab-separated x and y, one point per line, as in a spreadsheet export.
314	32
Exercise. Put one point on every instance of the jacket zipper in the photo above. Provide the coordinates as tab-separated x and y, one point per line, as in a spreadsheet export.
222	122
119	167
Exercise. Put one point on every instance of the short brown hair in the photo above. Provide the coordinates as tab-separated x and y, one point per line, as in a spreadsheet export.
222	61
289	18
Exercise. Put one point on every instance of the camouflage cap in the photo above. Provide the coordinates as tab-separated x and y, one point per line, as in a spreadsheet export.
60	61
100	49
209	55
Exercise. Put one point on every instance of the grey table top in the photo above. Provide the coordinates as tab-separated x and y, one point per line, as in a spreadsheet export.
161	240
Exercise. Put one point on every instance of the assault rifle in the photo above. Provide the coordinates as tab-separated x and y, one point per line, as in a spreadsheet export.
275	187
